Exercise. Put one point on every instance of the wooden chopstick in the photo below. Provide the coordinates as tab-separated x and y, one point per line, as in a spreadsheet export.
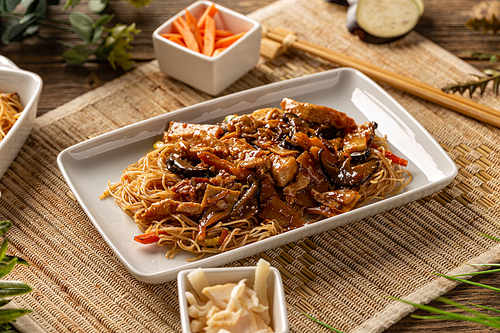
456	103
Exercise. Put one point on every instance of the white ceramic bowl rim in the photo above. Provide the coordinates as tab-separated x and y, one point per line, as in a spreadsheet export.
6	65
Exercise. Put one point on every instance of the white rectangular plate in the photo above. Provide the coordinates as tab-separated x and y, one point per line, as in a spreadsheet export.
89	165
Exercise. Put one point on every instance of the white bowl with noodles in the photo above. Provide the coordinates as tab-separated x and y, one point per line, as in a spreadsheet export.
28	86
219	276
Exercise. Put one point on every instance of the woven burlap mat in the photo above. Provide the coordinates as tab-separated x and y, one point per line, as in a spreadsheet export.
340	276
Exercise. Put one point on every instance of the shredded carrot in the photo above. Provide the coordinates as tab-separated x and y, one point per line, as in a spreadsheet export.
177	40
210	11
227	41
183	28
193	25
218	51
209	38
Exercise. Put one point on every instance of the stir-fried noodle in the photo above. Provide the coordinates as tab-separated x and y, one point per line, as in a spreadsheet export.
10	111
208	189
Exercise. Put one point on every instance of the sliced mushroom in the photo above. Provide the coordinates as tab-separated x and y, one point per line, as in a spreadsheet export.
299	124
220	201
328	132
182	167
348	175
289	144
360	156
248	205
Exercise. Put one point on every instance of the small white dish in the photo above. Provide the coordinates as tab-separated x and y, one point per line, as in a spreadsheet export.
29	87
89	165
215	276
210	74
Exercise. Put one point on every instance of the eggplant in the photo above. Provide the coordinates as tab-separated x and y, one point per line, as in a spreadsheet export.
182	167
383	21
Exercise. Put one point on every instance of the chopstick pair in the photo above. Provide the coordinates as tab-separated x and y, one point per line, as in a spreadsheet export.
453	102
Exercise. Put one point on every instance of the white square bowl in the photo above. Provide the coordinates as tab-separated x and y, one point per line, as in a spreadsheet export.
215	276
29	87
210	74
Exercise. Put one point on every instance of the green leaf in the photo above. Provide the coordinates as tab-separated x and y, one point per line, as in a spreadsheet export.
103	51
26	3
83	25
488	236
9	315
7	6
4	227
479	273
139	3
484	24
4	302
447	314
471	86
7	267
103	20
469	282
17	30
31	30
3	249
71	3
8	258
485	307
77	56
13	288
37	7
321	323
98	6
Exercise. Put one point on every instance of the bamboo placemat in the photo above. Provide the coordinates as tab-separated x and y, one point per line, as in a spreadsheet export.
340	276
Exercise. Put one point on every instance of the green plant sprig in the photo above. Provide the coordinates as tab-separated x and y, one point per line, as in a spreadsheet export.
492	75
9	288
105	44
475	316
321	323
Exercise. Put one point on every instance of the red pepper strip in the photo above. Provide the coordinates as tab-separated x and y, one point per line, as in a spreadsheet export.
149	238
392	157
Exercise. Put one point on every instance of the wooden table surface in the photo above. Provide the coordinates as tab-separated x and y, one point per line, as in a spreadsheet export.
443	22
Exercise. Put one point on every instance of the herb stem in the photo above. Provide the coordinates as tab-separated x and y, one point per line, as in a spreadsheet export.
56	41
48	19
58	27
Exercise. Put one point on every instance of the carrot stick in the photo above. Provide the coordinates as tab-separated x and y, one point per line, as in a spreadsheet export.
210	11
170	34
216	53
223	33
219	33
193	25
209	38
227	41
182	27
177	40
